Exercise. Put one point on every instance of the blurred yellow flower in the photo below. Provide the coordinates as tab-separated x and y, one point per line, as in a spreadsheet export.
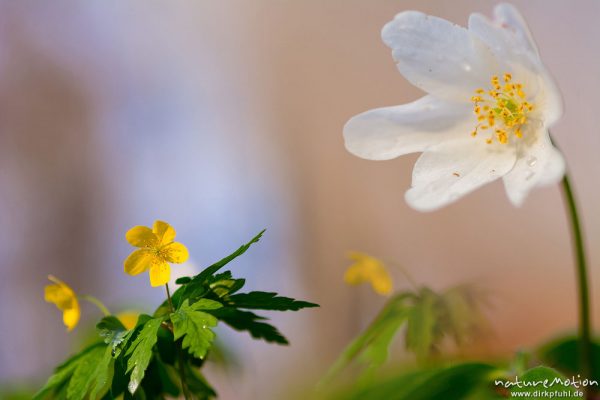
157	249
128	319
368	269
65	299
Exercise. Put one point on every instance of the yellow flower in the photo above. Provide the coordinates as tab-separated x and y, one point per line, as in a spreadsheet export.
157	249
368	269
65	299
128	319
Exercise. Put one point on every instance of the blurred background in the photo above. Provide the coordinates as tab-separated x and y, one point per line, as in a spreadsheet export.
224	118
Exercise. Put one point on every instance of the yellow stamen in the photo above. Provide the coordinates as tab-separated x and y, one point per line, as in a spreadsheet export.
504	108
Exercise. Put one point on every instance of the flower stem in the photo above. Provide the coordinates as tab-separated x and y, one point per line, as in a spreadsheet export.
97	303
184	388
585	343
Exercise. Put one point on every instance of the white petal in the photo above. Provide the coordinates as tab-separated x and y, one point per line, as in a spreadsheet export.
389	132
441	58
549	100
445	173
509	39
539	164
510	18
502	41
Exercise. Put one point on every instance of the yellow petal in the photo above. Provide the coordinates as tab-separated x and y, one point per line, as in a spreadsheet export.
141	236
354	275
175	252
71	316
59	293
368	269
128	319
138	262
382	283
160	273
164	232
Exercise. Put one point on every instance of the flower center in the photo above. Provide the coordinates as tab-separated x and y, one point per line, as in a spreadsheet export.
502	111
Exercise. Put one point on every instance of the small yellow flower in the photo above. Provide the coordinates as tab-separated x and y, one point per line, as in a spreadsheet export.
368	269
157	249
65	299
128	319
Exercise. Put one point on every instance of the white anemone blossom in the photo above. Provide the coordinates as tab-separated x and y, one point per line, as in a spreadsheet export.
486	114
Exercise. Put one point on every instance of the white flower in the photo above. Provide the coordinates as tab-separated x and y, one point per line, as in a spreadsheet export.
489	104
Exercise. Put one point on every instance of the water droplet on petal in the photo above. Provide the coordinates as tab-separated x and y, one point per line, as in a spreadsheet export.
530	175
531	161
467	67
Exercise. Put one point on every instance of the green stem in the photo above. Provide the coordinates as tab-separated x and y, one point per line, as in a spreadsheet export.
585	342
184	388
97	303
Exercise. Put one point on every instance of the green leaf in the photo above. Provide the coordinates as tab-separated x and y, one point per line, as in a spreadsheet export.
456	382
113	332
160	380
89	372
194	326
422	318
460	315
224	261
247	321
130	335
93	375
140	352
60	383
198	385
223	284
196	286
543	380
374	342
267	301
564	355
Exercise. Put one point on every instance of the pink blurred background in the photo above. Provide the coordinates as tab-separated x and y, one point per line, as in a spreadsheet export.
226	117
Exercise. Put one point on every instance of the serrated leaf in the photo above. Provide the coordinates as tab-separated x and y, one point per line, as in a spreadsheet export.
130	335
223	284
140	352
564	355
268	301
112	331
196	286
226	260
461	317
198	385
160	380
422	318
247	321
57	383
194	326
93	376
456	382
375	340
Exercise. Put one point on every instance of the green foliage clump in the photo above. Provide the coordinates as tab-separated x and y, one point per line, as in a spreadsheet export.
163	354
428	317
